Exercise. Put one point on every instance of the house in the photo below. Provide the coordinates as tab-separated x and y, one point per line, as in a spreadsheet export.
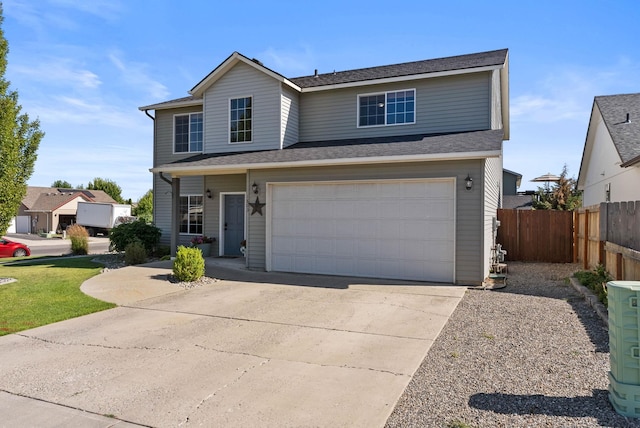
51	209
512	199
610	167
392	171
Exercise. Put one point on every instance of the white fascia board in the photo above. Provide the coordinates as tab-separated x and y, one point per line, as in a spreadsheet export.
199	89
504	93
402	78
178	171
168	105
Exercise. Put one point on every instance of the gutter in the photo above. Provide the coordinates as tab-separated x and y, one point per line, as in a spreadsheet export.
200	169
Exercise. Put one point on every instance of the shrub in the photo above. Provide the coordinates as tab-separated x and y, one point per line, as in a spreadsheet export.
135	253
596	281
126	233
189	264
79	239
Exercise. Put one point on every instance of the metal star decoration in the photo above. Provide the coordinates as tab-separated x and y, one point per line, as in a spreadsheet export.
257	206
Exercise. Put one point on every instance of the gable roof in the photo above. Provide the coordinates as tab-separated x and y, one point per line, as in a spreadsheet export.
625	135
51	198
412	148
49	202
229	63
482	61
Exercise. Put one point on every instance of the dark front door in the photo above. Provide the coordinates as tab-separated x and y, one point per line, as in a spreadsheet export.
233	224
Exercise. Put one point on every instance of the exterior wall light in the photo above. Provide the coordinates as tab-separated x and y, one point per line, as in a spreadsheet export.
468	182
254	187
208	193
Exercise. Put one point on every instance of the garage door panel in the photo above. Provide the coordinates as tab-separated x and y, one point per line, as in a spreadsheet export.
393	229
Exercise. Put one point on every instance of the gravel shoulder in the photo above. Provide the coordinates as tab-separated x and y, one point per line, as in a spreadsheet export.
533	354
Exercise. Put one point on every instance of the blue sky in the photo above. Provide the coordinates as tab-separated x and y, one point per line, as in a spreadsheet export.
83	67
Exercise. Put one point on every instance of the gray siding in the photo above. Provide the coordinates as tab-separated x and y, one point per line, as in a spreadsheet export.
290	116
446	104
163	142
213	206
242	81
469	232
492	201
162	204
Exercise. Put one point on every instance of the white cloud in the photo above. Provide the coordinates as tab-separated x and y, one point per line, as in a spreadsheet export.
106	9
58	72
288	62
135	74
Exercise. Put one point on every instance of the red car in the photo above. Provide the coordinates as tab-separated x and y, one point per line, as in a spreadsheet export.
13	249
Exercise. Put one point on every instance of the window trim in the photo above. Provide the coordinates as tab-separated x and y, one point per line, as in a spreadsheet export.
229	119
386	94
189	196
189	143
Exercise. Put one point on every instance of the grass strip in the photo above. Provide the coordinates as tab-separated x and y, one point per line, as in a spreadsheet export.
46	291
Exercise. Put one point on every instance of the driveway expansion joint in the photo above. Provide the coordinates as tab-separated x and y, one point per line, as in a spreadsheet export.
230	318
268	359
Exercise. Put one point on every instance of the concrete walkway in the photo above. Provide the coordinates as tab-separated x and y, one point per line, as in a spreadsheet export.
253	349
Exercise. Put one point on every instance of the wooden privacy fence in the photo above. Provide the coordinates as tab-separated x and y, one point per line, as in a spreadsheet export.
609	234
536	235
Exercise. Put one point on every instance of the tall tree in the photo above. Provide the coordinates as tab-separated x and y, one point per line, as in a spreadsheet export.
108	186
19	141
144	208
62	184
563	195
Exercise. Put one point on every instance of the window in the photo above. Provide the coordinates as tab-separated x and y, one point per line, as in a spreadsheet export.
191	214
389	108
240	120
188	133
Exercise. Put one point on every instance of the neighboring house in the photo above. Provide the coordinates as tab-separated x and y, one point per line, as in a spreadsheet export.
50	209
512	199
610	168
361	172
510	182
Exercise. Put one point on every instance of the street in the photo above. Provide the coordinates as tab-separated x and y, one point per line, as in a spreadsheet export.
55	246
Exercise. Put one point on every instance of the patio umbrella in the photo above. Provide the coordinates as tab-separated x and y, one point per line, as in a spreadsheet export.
547	178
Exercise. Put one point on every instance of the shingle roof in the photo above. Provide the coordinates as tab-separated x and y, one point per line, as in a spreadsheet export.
50	198
357	150
460	62
625	135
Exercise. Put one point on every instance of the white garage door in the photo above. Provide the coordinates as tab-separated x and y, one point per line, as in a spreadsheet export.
402	229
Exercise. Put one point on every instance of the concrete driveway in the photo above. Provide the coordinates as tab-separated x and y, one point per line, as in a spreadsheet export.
253	349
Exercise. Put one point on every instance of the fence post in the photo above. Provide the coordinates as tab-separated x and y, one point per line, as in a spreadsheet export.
585	262
576	217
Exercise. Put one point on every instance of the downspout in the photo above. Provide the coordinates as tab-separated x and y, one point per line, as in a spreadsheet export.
175	199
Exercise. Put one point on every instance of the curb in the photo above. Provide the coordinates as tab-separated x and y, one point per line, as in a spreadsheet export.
592	300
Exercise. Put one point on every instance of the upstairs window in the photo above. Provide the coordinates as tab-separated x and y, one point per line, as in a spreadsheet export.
240	120
187	135
191	214
387	108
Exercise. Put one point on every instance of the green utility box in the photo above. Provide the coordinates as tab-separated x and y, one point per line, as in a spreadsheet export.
624	346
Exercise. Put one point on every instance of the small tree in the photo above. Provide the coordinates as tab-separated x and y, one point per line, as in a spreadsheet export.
563	195
19	141
144	208
108	186
62	184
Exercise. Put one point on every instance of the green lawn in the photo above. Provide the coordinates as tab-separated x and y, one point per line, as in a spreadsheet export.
46	291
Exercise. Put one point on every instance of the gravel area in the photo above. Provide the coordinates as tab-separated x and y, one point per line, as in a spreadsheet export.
532	354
